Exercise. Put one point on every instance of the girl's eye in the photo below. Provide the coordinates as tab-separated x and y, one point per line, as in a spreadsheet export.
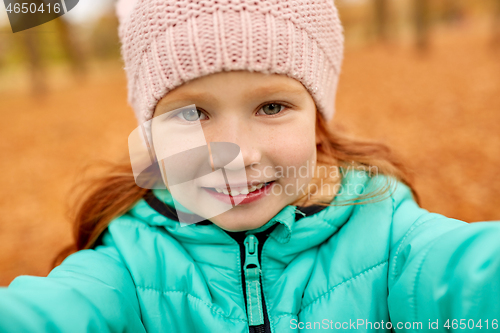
191	115
272	108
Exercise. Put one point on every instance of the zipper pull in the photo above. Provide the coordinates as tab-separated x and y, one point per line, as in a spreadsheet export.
298	211
252	281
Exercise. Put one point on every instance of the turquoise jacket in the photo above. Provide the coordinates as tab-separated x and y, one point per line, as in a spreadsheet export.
365	268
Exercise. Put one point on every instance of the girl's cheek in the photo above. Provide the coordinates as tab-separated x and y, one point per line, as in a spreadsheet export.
293	148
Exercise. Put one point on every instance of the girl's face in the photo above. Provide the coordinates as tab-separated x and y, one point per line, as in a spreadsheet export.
272	119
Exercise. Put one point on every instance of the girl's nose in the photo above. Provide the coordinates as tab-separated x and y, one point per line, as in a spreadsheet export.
245	140
251	156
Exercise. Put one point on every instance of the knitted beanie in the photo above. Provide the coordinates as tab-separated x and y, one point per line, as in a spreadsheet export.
166	43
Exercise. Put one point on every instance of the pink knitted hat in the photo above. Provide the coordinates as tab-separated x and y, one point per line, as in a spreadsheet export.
166	43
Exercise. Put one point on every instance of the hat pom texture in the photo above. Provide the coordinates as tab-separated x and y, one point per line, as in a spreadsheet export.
167	43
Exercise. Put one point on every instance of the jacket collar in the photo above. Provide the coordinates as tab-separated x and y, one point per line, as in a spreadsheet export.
327	220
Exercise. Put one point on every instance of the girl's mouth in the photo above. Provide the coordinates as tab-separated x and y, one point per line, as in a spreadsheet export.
243	196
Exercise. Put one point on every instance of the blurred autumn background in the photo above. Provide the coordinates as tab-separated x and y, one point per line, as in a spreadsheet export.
422	76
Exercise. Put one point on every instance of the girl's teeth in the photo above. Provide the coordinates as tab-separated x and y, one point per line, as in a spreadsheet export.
243	191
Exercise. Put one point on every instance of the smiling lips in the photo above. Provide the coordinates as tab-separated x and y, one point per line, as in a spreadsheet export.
245	194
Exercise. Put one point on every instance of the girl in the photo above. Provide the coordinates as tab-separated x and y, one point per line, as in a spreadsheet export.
249	86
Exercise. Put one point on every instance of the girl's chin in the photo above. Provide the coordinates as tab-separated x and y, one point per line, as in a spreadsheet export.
238	224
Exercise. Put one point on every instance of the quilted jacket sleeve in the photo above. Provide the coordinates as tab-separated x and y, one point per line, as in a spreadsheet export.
443	272
91	291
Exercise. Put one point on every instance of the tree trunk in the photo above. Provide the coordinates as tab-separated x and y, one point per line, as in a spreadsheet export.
381	19
496	25
452	11
422	24
71	47
37	73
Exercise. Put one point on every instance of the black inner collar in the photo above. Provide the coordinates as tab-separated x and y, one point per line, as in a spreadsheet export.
169	212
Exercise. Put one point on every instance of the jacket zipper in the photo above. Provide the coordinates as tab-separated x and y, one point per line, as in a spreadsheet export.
250	252
251	269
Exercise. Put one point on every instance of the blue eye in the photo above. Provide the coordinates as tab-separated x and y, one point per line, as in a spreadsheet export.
191	115
274	108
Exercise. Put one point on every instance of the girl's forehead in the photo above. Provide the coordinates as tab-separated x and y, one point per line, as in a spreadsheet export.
241	78
245	83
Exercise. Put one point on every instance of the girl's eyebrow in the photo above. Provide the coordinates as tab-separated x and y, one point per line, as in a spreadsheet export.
274	90
259	92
